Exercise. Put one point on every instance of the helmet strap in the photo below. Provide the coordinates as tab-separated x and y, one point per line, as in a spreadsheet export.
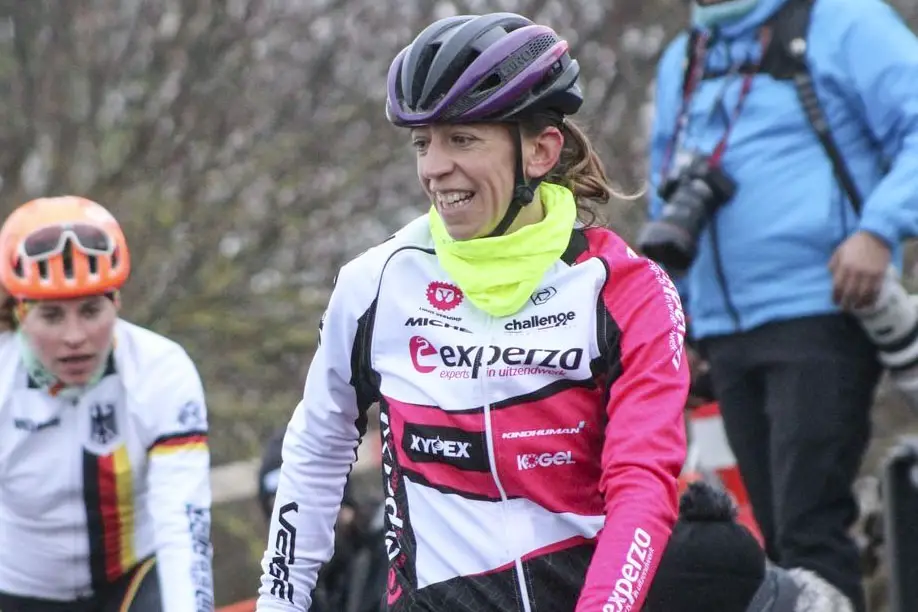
523	190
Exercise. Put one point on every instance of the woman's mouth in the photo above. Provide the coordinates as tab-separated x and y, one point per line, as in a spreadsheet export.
76	365
453	200
76	359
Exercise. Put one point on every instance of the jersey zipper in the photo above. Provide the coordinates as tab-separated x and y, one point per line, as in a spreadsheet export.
489	437
72	408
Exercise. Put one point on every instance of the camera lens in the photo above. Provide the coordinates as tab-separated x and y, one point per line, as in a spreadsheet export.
690	200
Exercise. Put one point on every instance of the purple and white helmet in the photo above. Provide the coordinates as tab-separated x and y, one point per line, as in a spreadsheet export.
494	67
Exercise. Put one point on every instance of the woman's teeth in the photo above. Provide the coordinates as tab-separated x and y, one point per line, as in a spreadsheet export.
453	199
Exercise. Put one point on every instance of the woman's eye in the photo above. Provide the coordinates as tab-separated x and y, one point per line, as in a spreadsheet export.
419	144
52	317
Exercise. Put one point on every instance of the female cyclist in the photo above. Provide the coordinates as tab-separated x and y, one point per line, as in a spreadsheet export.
104	486
529	366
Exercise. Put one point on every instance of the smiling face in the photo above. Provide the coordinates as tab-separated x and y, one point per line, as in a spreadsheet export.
468	172
71	338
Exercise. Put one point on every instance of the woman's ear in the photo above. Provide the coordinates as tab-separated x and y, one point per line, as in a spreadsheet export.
544	151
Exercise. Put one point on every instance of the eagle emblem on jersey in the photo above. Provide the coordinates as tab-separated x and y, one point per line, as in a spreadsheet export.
102	426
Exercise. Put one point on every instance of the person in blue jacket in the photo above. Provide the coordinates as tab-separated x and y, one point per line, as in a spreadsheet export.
783	256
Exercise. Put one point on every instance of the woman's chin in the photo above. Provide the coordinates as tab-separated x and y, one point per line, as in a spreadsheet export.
461	233
461	229
76	375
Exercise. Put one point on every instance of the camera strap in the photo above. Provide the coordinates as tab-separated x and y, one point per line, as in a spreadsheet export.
692	76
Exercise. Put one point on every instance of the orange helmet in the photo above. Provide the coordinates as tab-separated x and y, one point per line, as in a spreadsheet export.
59	248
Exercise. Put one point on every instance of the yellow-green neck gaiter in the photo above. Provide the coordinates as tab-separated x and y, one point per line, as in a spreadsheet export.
498	274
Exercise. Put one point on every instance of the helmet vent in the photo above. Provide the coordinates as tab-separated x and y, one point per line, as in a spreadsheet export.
490	82
420	73
67	257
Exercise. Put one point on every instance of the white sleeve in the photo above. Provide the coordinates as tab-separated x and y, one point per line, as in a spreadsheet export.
178	477
319	449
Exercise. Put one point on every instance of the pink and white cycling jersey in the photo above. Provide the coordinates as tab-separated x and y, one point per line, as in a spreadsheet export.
529	462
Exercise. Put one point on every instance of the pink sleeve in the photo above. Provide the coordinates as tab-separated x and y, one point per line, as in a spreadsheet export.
644	446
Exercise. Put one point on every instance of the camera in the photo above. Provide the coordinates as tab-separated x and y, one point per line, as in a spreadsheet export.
892	325
689	201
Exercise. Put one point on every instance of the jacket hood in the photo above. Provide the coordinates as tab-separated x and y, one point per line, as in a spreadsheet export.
751	20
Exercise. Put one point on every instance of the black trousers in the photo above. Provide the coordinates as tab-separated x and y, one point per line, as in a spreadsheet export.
795	398
136	591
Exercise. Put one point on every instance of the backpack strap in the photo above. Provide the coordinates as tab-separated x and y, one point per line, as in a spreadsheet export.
786	60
